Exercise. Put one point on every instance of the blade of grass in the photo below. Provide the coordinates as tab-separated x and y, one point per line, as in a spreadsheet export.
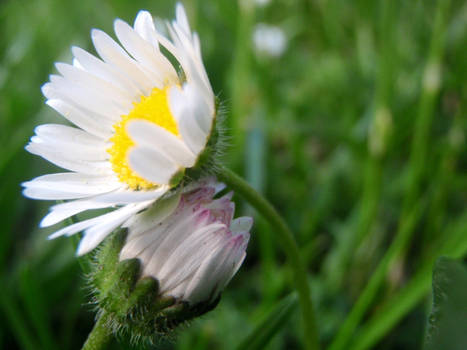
365	299
270	325
16	321
412	207
240	76
407	298
254	173
378	138
430	88
35	304
444	177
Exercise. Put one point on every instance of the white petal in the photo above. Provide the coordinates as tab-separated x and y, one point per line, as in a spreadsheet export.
190	60
68	148
237	247
144	26
64	161
86	122
77	64
83	204
68	134
241	224
130	196
106	72
77	227
183	113
215	273
73	141
96	233
197	45
151	165
154	215
237	262
188	256
219	186
83	98
182	227
193	107
82	225
67	186
134	44
136	245
112	53
75	182
148	229
182	19
63	211
202	113
96	84
48	194
203	282
56	216
153	136
119	214
145	53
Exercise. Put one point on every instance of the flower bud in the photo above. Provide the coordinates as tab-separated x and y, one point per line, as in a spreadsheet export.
175	261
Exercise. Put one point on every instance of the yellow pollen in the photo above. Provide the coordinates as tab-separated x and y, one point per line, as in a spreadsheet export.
153	108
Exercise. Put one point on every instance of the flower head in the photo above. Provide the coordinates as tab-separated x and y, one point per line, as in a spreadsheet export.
177	258
191	244
139	124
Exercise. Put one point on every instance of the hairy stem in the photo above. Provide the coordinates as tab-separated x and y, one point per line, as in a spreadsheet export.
99	336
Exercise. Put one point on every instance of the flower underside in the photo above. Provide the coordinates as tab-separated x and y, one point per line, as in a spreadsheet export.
153	108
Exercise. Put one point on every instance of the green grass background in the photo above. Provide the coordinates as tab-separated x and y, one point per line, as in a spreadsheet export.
348	133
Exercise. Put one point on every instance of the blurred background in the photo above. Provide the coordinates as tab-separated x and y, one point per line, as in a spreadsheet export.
350	116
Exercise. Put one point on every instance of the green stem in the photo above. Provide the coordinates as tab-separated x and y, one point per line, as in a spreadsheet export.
99	336
290	247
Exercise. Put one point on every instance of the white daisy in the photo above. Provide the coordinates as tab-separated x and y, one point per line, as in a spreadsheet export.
269	40
190	243
139	124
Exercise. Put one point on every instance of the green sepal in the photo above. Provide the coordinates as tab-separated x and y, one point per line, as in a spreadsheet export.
121	298
145	292
102	274
176	178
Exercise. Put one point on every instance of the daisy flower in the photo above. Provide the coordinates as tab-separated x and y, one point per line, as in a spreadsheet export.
143	113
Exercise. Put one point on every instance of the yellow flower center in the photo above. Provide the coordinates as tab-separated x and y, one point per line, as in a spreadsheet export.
153	108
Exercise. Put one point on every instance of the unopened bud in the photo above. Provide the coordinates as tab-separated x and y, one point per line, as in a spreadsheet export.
173	264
